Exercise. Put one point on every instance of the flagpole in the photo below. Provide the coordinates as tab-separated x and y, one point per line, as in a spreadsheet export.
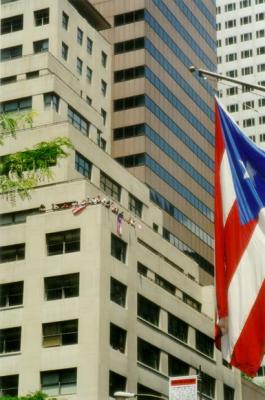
204	72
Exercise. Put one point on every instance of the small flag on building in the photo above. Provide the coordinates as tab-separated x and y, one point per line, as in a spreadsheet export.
120	218
239	245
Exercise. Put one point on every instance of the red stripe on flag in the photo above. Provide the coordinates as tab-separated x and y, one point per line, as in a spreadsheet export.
249	349
181	382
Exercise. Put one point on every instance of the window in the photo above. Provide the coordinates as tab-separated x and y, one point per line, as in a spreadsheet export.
230	40
116	383
79	65
118	248
246	36
245	20
14	252
260	16
129	73
10	53
64	51
129	45
253	138
103	87
51	100
82	165
230	7
260	33
207	385
79	36
248	122
16	105
129	17
7	1
65	20
260	1
9	383
261	67
104	59
204	343
231	57
246	71
89	100
219	59
262	137
41	17
135	205
261	102
245	3
8	79
232	91
16	217
232	108
218	43
109	186
60	381
63	242
60	333
11	294
148	310
89	74
142	269
78	121
247	53
32	74
228	392
246	89
104	116
148	354
129	102
262	120
261	50
218	10
118	292
192	302
10	340
41	46
61	286
247	105
178	328
12	24
177	367
89	45
134	160
218	26
126	132
230	24
145	390
165	284
117	338
232	73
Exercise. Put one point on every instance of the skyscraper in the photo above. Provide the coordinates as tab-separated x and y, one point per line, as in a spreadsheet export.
162	119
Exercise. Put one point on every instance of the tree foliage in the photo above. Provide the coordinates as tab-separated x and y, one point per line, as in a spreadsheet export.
22	171
32	396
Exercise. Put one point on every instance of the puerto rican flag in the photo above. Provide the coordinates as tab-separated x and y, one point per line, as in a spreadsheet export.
239	245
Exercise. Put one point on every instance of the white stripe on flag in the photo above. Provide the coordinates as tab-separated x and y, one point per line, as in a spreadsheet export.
227	187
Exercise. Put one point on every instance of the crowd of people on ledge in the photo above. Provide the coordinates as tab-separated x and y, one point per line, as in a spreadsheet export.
78	207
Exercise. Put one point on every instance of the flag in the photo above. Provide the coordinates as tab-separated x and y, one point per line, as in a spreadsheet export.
80	207
239	245
120	218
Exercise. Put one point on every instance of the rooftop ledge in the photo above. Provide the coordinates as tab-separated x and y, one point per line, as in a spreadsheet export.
91	14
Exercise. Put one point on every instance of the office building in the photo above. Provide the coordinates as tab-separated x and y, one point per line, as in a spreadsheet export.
163	123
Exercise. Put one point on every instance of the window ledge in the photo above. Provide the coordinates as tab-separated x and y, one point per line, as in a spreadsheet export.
11	307
11	353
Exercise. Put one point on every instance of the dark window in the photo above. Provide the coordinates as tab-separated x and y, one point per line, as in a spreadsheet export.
51	100
32	74
177	367
8	79
41	46
118	292
79	65
192	302
117	338
134	160
65	20
129	73
116	383
9	383
79	36
11	294
82	165
207	385
126	132
78	121
109	186
60	381
129	45
10	340
61	286
104	59
11	24
7	1
135	205
142	269
165	284
129	102
88	100
103	87
41	17
89	45
64	51
16	217
13	252
228	392
177	328
63	242
118	248
148	391
204	343
148	310
16	105
60	333
129	17
89	74
148	354
11	52
104	115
